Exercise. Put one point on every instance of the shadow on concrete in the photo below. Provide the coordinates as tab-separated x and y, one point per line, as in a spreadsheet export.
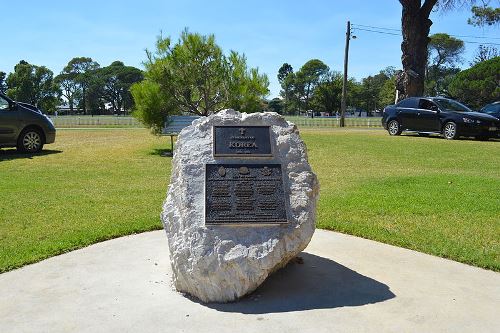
13	154
318	283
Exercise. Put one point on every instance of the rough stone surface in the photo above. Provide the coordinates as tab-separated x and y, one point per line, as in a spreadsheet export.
223	263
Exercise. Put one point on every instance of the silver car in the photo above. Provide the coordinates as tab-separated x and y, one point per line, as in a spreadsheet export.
24	127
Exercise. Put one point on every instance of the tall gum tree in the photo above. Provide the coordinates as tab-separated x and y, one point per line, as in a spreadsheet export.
415	24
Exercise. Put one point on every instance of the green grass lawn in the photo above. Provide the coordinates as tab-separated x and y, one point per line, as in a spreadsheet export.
89	186
428	194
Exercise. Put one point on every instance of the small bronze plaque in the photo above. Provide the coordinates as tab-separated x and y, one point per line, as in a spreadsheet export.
244	194
241	141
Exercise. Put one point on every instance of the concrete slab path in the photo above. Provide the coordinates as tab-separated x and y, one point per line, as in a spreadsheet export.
345	284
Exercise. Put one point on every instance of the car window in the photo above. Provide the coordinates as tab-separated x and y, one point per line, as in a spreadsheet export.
407	103
426	104
4	104
448	104
492	108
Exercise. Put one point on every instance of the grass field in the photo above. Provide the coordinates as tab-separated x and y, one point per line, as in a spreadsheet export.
428	194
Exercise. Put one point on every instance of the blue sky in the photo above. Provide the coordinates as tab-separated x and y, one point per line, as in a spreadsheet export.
270	33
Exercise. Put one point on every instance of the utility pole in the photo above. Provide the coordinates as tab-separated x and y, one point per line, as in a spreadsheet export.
344	83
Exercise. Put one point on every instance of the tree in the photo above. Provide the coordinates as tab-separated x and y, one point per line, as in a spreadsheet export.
194	76
69	89
246	86
152	106
3	84
479	84
415	24
328	93
444	55
484	15
285	78
308	77
81	69
276	105
387	93
483	53
34	85
375	92
115	81
446	50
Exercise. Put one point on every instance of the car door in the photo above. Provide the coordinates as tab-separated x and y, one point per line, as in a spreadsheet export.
9	122
427	119
407	113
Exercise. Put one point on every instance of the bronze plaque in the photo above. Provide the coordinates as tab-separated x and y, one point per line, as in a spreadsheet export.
242	141
243	194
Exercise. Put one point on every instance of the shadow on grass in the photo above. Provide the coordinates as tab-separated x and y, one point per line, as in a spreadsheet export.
318	283
161	152
437	136
13	154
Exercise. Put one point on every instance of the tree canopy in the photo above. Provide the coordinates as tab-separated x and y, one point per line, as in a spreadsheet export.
444	56
34	85
478	85
484	15
81	71
3	84
415	24
193	75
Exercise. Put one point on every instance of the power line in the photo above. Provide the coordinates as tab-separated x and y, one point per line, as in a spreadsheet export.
462	36
379	32
370	26
465	41
482	43
393	29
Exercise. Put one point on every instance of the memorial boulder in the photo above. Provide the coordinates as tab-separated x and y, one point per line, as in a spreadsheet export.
241	203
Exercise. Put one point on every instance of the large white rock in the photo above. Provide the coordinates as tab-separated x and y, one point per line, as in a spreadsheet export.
223	263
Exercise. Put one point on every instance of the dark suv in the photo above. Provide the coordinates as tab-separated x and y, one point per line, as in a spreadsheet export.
427	115
23	127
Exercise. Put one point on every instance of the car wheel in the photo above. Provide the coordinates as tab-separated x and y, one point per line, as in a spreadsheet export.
393	127
450	131
30	141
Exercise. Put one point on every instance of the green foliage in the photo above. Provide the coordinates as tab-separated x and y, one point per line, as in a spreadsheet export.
152	106
34	85
286	79
375	93
3	84
387	92
327	95
308	78
246	86
484	52
444	54
82	71
276	105
478	85
445	50
68	88
298	88
198	78
115	81
483	16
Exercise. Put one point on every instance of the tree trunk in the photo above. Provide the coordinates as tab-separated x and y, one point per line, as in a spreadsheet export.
415	25
84	96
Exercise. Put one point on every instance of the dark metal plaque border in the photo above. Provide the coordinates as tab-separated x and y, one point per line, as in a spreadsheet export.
255	221
242	155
